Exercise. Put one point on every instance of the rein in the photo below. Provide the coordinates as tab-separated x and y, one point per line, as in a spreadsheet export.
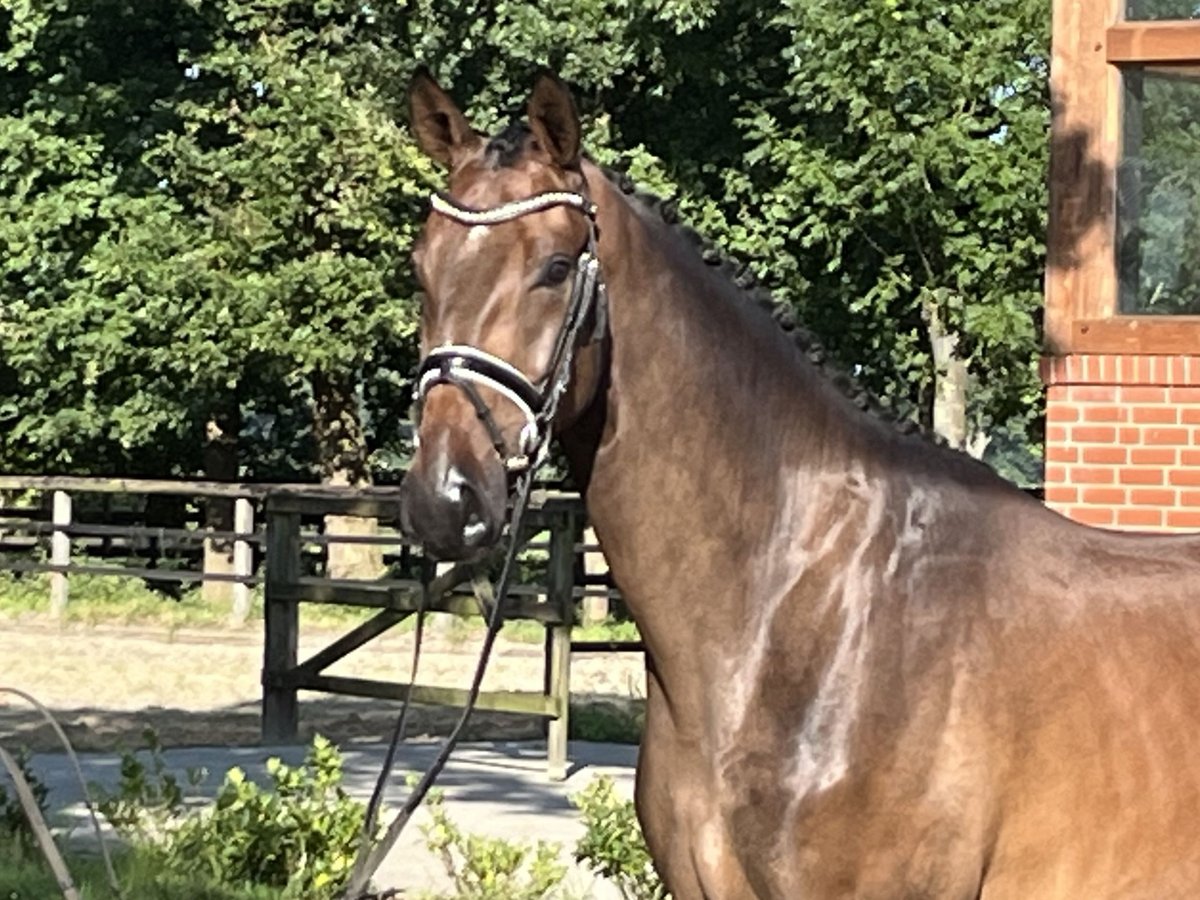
467	367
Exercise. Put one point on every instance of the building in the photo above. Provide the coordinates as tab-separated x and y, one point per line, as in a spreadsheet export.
1122	348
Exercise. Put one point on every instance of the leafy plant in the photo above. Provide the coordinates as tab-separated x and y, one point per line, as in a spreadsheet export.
301	835
14	824
613	846
148	798
485	868
607	721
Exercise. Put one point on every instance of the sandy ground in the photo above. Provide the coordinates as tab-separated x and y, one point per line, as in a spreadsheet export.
106	684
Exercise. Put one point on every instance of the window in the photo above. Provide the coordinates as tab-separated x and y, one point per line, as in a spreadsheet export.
1158	192
1123	272
1162	9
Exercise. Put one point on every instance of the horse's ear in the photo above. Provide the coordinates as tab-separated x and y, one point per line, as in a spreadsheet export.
441	130
554	121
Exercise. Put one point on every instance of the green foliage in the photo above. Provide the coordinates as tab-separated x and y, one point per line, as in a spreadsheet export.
149	798
15	828
208	208
24	875
300	836
613	846
608	721
484	868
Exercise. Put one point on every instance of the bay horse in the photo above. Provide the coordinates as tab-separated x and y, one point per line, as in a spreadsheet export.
875	669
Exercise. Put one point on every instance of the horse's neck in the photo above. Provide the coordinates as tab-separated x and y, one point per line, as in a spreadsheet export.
714	432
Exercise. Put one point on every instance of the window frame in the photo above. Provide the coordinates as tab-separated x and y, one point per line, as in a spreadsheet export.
1091	41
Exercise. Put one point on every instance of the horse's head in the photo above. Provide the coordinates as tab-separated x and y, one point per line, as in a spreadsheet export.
507	264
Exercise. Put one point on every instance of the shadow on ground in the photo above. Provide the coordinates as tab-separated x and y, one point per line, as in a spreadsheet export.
342	719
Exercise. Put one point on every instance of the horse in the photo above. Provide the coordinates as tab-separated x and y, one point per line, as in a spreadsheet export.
875	669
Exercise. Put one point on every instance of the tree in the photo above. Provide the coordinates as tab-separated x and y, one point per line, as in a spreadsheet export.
891	186
80	382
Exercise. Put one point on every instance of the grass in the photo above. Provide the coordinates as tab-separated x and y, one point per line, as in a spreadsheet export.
24	875
119	600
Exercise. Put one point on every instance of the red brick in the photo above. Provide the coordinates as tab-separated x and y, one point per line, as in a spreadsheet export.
1093	434
1091	393
1130	436
1055	474
1103	496
1062	412
1106	455
1183	518
1190	415
1158	415
1092	475
1062	453
1135	517
1185	477
1091	515
1153	456
1057	493
1144	372
1056	434
1178	370
1189	457
1161	436
1152	497
1143	394
1097	413
1181	395
1189	499
1141	476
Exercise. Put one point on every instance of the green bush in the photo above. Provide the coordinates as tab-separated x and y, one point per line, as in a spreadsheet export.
148	798
613	846
299	836
484	868
14	824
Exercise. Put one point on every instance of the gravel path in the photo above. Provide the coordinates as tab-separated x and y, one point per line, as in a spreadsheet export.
106	684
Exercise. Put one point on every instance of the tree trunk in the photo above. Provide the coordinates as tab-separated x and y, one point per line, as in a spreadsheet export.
220	464
950	382
342	458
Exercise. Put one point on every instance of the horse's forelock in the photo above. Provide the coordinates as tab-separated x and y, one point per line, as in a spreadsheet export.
507	146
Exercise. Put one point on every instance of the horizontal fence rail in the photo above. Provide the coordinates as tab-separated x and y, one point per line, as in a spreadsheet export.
278	542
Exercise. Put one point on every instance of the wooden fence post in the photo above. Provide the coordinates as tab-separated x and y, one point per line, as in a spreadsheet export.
560	589
243	558
60	553
280	712
595	608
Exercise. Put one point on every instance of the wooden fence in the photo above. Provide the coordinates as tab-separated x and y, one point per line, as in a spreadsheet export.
288	538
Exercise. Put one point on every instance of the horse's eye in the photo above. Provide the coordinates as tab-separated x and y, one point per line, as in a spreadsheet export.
556	272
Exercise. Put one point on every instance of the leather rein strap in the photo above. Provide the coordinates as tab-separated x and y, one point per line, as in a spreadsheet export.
466	368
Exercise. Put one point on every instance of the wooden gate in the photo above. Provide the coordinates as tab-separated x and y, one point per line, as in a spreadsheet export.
554	523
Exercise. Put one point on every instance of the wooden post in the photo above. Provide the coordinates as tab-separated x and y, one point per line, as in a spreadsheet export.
243	557
560	590
60	554
280	710
593	609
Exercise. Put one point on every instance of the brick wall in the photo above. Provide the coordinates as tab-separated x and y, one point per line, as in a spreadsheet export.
1123	440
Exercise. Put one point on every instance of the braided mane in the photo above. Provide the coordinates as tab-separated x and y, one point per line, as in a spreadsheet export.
741	275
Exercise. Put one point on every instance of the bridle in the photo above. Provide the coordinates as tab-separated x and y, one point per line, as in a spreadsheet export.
469	368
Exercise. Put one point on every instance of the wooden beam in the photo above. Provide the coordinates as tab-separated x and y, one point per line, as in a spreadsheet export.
1136	335
1081	278
529	702
1154	42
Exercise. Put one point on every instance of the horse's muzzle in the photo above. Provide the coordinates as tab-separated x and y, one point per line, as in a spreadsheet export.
450	516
